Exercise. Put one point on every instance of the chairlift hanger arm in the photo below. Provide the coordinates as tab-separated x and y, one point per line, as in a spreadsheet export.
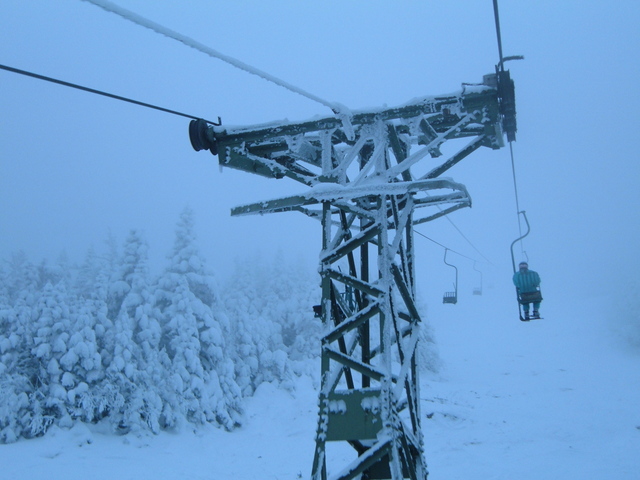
446	250
513	260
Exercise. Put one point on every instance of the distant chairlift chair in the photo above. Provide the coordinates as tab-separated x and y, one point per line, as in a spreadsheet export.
451	297
477	290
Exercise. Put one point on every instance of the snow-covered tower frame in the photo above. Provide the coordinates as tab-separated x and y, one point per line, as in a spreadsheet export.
358	170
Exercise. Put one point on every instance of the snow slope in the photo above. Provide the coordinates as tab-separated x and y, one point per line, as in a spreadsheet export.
556	398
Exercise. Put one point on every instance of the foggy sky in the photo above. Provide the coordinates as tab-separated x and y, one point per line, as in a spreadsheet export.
75	166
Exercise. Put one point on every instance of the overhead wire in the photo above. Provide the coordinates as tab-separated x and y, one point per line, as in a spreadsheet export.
498	35
444	246
337	108
463	236
513	165
100	92
190	42
467	240
162	30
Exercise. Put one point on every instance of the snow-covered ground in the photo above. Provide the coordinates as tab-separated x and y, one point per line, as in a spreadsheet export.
557	398
552	399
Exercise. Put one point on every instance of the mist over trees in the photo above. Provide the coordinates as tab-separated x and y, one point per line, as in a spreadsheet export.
108	341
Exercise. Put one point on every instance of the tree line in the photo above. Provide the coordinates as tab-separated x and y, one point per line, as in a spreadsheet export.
111	342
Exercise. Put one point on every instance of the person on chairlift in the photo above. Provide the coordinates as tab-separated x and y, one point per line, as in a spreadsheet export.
527	283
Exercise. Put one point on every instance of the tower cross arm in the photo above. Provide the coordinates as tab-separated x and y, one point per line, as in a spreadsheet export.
295	149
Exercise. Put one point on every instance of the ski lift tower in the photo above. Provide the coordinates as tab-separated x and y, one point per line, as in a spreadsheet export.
359	183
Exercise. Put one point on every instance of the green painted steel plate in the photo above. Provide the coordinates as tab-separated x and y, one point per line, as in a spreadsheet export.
354	415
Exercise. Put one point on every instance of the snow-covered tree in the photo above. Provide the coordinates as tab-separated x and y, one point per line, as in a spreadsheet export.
257	340
60	271
202	383
23	280
18	370
92	284
271	310
14	407
7	326
185	386
290	299
86	279
51	333
107	342
135	397
82	368
12	384
4	286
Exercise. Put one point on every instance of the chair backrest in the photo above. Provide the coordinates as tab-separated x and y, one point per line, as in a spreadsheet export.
530	297
450	297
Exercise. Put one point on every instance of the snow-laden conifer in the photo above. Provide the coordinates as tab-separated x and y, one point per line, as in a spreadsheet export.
13	385
115	345
271	311
55	273
92	286
18	370
137	403
23	282
202	383
51	333
83	368
290	298
86	278
4	289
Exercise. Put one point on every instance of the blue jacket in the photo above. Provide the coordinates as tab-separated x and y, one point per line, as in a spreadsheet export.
526	281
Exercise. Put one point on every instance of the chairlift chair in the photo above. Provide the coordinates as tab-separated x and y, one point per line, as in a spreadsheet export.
530	297
477	290
451	297
524	297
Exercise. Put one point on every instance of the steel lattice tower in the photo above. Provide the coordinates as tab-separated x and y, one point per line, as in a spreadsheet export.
358	170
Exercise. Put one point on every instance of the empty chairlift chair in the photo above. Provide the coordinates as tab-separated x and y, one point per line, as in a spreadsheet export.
477	290
451	297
